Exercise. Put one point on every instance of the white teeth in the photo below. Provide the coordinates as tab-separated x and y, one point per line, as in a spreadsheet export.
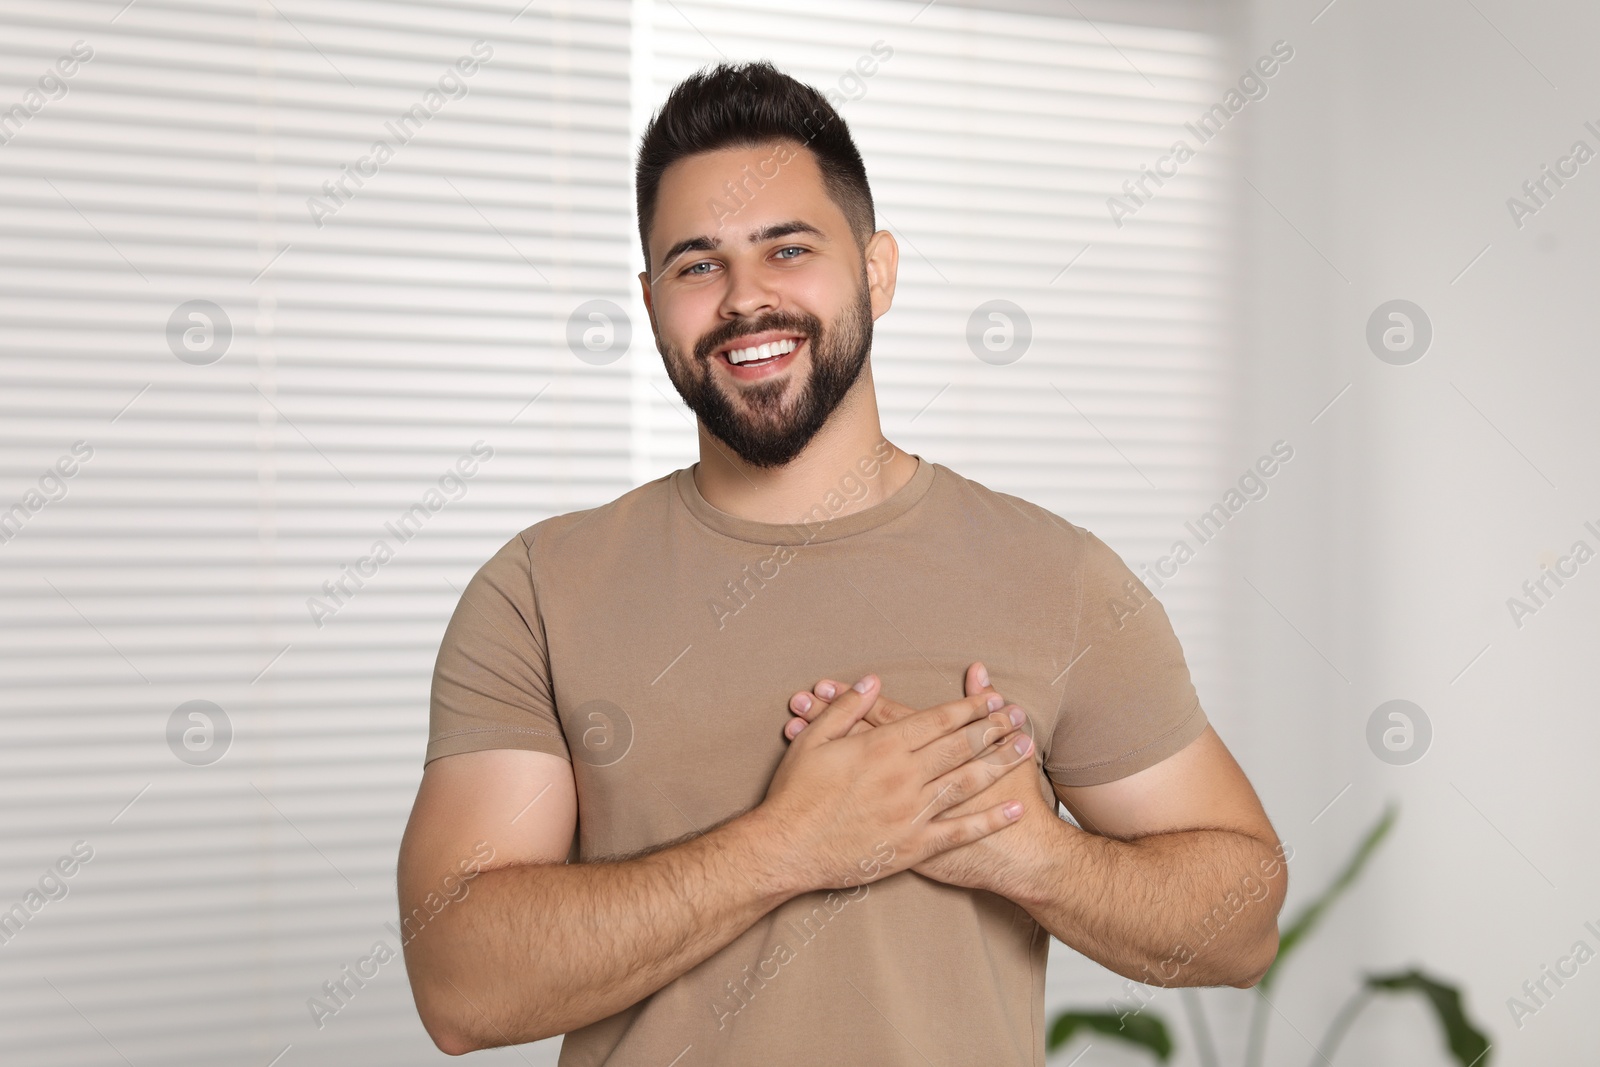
766	351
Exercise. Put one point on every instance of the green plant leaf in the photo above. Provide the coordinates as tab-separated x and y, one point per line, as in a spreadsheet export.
1308	918
1144	1029
1466	1041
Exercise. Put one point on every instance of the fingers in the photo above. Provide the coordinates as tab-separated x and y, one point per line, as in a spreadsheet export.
809	705
977	679
995	741
984	738
792	728
806	707
887	711
993	745
883	712
968	779
929	725
837	719
957	830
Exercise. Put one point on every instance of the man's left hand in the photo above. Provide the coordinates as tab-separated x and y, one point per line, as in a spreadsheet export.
989	863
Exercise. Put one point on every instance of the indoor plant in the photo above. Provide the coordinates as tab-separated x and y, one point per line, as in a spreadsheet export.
1147	1030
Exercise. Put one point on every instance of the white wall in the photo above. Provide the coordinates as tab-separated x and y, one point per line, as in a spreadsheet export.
1422	500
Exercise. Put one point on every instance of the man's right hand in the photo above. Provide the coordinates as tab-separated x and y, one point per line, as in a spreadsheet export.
838	798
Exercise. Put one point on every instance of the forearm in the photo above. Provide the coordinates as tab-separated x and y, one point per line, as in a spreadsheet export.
1194	908
539	950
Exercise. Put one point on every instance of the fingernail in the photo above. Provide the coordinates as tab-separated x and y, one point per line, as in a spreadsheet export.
983	676
802	703
1017	716
826	690
1023	744
996	702
1013	809
863	685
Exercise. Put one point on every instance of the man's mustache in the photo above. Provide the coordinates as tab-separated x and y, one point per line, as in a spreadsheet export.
806	324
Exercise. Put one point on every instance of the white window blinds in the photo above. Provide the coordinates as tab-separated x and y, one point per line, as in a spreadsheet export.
396	206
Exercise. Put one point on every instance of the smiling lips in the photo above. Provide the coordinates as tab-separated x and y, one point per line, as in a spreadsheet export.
758	354
760	346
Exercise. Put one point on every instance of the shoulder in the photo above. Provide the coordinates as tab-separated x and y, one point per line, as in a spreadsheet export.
570	536
984	505
1009	518
630	515
1057	555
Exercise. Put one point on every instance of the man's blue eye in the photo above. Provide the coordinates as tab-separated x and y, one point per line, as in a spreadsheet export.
791	248
690	269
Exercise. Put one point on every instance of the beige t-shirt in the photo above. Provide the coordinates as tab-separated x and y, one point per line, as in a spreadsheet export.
654	642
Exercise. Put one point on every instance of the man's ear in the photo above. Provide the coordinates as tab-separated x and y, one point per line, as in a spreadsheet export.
649	305
882	264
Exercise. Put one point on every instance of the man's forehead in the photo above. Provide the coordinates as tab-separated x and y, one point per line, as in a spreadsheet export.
746	194
730	162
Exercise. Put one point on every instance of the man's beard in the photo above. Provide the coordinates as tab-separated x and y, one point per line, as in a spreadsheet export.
760	427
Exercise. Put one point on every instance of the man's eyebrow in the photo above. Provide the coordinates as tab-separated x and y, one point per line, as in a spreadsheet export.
784	229
692	244
708	243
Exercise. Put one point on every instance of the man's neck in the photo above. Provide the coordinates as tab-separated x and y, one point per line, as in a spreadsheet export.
832	466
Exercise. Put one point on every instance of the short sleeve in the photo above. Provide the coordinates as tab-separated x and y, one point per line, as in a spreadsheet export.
1128	701
491	680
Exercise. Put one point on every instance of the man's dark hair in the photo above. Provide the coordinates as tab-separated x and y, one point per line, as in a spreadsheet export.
750	104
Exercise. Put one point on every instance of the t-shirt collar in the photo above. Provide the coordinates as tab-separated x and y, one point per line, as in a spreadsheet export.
821	522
